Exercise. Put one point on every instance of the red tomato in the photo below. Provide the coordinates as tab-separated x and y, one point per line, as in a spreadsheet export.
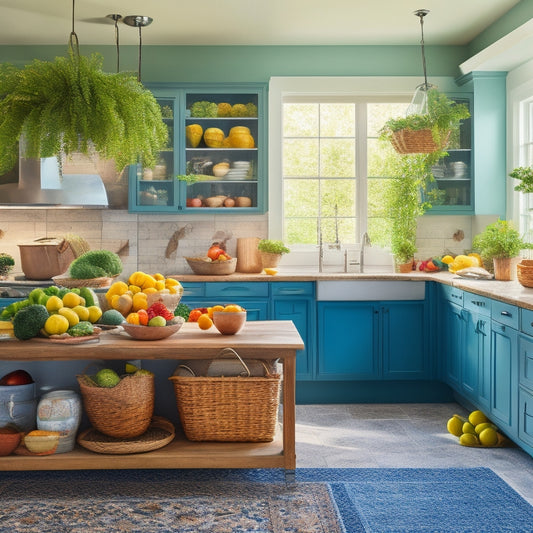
214	252
196	202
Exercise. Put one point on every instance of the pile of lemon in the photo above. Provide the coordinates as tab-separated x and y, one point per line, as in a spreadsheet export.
68	311
476	430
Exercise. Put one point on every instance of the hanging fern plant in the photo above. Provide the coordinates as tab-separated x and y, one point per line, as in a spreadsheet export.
70	105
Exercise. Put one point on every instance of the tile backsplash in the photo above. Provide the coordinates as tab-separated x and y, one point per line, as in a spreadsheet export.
145	238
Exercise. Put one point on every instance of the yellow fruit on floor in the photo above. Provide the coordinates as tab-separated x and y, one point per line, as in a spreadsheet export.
484	425
95	313
488	437
70	315
455	425
71	299
477	417
82	311
468	439
56	325
53	304
204	322
469	428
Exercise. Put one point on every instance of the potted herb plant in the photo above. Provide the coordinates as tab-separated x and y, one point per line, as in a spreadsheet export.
501	243
70	105
271	252
6	265
428	132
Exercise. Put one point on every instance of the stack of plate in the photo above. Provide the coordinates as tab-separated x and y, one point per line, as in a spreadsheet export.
240	171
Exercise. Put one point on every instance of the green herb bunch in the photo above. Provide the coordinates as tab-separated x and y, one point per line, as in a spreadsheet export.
272	246
6	264
70	105
499	239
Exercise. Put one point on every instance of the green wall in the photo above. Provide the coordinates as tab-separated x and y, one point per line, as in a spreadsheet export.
259	63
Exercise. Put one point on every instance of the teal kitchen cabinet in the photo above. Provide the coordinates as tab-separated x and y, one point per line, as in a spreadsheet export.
452	335
372	340
475	369
525	384
253	296
504	367
296	301
157	190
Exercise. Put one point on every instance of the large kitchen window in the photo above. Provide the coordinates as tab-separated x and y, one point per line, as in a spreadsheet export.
525	159
334	169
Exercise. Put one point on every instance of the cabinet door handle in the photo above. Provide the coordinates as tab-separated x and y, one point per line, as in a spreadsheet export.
506	313
479	304
480	327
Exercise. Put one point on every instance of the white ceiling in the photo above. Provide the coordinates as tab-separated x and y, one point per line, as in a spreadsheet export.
250	22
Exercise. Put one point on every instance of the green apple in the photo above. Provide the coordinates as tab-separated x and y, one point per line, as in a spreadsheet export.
157	321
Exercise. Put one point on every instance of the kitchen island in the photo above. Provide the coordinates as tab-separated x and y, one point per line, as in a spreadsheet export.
258	340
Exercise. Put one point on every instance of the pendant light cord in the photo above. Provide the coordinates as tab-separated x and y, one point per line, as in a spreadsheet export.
74	43
140	54
421	13
117	44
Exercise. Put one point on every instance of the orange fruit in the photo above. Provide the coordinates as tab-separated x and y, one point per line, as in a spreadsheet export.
204	322
233	308
214	309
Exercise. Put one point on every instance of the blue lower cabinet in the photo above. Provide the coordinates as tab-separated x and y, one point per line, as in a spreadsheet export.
452	342
525	418
504	378
296	301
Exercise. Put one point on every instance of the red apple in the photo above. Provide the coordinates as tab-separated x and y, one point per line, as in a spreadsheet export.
195	202
17	377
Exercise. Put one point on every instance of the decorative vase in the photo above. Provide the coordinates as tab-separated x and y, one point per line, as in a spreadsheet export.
60	410
503	270
269	260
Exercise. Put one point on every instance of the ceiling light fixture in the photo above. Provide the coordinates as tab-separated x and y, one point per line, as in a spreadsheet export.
116	17
419	102
138	21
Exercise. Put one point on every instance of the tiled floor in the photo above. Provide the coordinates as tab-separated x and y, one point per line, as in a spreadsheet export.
398	436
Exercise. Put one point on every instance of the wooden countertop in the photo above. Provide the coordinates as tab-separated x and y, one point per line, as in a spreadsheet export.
280	337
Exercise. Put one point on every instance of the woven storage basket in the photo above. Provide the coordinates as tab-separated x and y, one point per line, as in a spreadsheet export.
524	272
417	141
123	411
236	409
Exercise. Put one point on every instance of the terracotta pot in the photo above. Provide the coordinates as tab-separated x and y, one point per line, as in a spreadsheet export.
404	268
504	268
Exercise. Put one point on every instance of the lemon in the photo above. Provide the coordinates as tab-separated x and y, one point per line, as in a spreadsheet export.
484	425
71	299
233	308
70	315
468	439
477	417
488	437
469	428
95	313
56	325
447	259
455	425
81	311
53	304
271	271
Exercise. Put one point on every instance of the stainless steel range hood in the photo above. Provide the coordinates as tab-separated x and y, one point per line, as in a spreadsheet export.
40	184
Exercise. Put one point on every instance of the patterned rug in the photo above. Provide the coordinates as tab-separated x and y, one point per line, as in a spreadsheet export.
238	501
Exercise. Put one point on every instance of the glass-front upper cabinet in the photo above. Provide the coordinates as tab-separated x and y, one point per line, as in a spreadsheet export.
216	158
452	190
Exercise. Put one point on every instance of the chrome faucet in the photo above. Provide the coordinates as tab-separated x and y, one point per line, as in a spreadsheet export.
365	242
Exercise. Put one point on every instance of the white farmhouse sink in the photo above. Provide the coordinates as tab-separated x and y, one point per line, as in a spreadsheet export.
364	290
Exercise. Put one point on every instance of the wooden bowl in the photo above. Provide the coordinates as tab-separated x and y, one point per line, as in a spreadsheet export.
153	333
39	441
9	440
229	323
209	268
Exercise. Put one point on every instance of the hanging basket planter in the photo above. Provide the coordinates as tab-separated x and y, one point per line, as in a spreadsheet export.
409	141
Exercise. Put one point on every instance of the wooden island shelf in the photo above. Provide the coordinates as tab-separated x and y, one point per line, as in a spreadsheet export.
258	339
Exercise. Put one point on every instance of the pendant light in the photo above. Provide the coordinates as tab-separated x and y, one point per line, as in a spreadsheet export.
419	104
138	21
116	17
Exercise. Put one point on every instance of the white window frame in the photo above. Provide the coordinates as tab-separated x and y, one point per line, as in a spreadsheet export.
378	88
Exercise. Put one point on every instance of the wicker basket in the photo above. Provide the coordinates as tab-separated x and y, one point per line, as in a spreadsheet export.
524	272
417	141
123	411
228	409
217	268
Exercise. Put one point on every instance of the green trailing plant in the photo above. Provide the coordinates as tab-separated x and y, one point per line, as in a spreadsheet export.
404	202
272	247
6	264
525	176
70	105
443	115
189	179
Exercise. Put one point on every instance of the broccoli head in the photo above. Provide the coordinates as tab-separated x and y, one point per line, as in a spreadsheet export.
204	109
29	321
96	264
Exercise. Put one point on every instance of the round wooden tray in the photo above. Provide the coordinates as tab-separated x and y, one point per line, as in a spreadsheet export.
159	434
70	283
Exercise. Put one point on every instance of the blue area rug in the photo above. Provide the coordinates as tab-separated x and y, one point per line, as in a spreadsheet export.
452	500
